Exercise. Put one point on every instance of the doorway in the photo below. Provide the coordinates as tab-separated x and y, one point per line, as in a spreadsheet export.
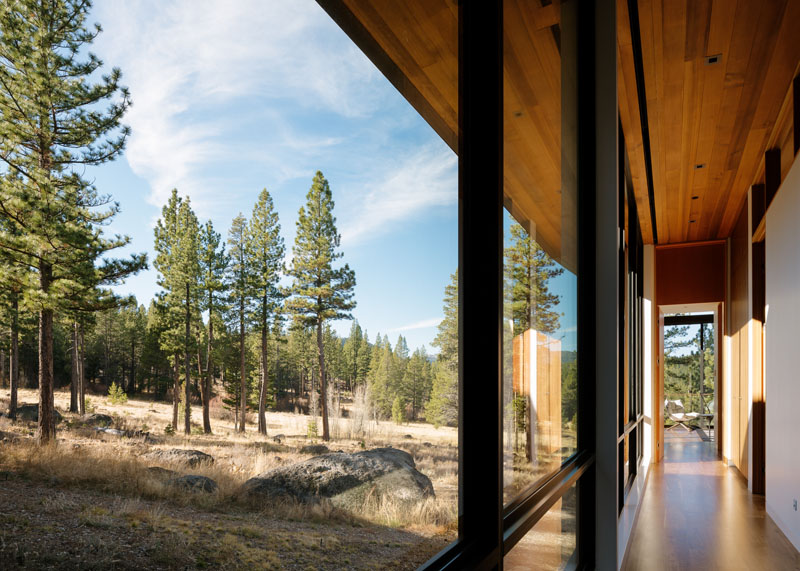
689	386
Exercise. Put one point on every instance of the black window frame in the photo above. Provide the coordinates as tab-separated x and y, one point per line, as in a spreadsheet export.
488	529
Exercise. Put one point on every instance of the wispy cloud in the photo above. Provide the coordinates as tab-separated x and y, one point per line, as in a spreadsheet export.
425	179
186	60
424	324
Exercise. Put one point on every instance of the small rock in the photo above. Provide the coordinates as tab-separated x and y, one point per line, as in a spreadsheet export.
279	438
190	457
111	431
427	444
194	483
315	449
97	419
408	436
161	473
30	413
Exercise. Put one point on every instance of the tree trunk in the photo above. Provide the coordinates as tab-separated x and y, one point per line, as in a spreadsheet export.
3	366
176	392
47	427
262	395
323	383
73	372
81	375
13	372
243	378
187	405
132	380
206	396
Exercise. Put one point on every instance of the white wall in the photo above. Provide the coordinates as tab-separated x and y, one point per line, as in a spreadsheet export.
782	348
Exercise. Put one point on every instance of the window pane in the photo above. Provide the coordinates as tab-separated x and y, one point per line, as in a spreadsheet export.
540	236
551	543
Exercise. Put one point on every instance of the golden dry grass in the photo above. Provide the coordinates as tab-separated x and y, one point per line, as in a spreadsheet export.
87	459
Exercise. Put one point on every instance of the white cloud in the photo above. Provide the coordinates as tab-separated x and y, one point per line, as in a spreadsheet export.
186	60
413	184
425	324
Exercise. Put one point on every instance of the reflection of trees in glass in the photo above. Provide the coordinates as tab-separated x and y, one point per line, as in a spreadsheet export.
528	270
682	366
528	305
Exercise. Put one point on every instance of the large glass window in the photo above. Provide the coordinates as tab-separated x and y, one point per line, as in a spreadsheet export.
539	350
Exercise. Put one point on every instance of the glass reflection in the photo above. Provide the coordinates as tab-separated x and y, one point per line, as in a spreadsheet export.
551	543
540	237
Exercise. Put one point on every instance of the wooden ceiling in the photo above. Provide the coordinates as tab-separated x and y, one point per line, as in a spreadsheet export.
415	44
721	116
709	124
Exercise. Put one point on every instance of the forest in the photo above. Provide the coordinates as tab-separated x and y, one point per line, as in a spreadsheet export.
194	421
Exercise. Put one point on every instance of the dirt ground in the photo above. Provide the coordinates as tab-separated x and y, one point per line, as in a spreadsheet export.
90	503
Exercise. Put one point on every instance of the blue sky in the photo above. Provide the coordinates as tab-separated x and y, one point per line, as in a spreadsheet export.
233	97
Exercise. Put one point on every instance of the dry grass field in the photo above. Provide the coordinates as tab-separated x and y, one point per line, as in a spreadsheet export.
90	502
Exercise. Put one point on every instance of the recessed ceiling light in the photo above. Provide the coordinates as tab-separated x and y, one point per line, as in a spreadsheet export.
700	166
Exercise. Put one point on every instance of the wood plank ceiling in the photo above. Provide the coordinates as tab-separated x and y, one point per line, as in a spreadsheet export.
709	122
415	44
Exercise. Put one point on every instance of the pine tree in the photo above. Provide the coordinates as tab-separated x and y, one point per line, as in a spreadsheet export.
442	409
416	384
265	251
177	261
321	293
51	128
213	265
528	271
240	292
364	360
352	348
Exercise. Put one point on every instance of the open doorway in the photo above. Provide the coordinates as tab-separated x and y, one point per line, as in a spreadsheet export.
690	386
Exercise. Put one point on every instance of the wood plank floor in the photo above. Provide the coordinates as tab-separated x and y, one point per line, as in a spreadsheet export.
697	514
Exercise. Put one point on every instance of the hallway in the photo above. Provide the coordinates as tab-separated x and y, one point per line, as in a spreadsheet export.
698	514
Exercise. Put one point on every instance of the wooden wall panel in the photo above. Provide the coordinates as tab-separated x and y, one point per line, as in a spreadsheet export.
690	273
738	331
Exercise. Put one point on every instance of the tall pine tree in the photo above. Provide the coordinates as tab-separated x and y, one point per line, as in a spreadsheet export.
52	126
443	405
177	261
240	292
213	265
265	251
321	292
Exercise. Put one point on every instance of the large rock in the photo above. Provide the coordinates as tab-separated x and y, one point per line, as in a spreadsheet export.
180	456
347	479
194	483
30	413
97	419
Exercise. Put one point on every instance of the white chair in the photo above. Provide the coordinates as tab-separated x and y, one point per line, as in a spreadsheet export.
676	412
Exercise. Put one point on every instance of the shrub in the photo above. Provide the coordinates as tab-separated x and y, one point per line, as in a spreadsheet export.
311	431
398	410
116	395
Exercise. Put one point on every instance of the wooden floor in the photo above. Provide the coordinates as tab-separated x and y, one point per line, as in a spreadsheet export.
697	514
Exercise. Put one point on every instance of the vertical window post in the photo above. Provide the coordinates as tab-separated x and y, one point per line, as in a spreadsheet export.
480	181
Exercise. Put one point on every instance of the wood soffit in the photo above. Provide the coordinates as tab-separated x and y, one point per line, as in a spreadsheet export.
710	122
